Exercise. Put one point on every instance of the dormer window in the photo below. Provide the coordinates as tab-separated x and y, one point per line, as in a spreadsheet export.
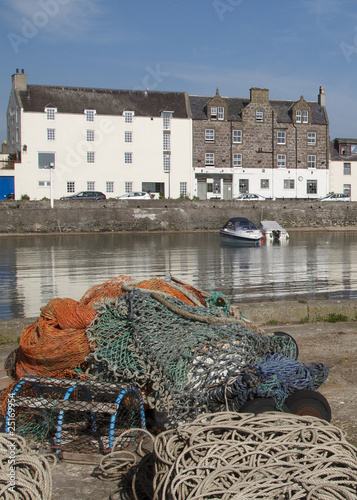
166	119
50	113
213	112
220	113
348	149
259	115
90	114
128	116
305	116
298	116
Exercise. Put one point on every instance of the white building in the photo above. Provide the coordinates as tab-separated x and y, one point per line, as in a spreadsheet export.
343	167
114	141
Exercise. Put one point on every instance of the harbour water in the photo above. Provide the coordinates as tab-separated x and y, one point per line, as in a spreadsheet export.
312	264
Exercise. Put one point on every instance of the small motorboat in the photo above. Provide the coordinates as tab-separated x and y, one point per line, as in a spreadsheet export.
242	231
272	231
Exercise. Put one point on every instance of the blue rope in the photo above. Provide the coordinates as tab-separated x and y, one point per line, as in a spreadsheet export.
275	376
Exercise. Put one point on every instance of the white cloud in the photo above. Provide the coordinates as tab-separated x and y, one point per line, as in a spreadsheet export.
70	19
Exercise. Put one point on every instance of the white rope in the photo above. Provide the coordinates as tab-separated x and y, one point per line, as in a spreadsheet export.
24	475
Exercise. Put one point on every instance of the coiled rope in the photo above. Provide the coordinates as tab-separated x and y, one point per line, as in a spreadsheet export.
24	475
232	456
242	456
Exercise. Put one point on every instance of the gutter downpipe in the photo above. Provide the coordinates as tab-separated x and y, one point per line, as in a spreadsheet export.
296	160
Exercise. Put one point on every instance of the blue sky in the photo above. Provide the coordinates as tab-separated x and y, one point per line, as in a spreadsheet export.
290	47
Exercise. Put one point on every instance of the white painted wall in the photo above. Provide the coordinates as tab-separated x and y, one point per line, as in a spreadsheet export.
338	178
70	147
276	179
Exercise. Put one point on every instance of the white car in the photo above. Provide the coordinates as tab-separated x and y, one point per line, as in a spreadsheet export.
249	197
336	197
135	195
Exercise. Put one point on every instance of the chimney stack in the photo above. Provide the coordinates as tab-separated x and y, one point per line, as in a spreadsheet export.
19	80
322	97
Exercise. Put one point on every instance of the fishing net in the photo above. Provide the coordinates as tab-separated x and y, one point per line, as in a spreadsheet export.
275	376
111	288
56	344
173	351
175	343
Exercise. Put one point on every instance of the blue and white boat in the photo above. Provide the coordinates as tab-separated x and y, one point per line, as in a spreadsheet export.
241	231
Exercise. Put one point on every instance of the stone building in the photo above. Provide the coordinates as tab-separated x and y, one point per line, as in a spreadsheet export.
275	148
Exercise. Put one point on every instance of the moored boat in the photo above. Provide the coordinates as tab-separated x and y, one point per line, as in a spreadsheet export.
272	230
241	231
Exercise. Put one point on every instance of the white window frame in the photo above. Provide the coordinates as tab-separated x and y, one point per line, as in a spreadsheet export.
128	158
220	114
259	115
90	185
305	116
281	137
166	119
90	113
183	189
298	116
237	136
90	157
237	160
71	187
311	161
167	163
109	186
209	135
209	159
128	187
213	112
90	135
347	168
166	142
289	184
51	113
281	161
51	134
128	116
128	136
311	138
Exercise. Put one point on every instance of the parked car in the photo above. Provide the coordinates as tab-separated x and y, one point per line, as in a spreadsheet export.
249	197
85	195
136	195
336	197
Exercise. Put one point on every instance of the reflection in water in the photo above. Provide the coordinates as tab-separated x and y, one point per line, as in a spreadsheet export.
35	269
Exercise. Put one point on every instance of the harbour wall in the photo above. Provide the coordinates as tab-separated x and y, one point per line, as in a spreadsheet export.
20	217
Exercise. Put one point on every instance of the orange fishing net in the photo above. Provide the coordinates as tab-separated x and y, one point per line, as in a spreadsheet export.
56	344
160	285
111	289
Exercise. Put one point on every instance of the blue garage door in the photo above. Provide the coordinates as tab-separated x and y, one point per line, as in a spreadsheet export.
6	187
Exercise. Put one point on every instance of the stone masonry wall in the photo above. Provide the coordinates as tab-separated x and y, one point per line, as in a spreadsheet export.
20	217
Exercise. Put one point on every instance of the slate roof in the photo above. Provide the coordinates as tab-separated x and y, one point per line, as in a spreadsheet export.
104	101
236	105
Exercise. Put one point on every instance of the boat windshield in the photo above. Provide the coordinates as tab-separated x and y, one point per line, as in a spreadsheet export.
240	224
